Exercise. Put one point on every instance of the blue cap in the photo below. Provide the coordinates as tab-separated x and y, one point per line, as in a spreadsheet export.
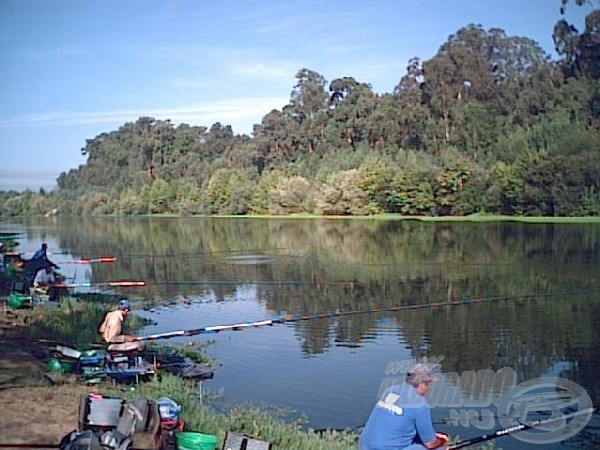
124	304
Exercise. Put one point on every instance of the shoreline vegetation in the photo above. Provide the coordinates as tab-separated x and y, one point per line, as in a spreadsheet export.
17	346
24	379
382	217
397	217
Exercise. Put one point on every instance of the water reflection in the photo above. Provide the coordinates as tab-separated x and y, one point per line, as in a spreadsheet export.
537	286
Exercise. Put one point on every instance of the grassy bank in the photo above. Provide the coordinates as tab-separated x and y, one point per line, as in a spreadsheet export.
62	324
470	218
245	418
65	321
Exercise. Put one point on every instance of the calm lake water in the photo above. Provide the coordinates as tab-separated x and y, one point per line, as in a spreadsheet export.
529	291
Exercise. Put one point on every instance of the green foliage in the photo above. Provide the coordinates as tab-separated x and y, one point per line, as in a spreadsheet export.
375	182
590	203
131	203
522	132
449	182
158	196
506	191
261	199
341	195
290	196
228	192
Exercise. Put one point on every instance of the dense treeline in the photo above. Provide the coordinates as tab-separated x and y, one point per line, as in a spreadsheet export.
490	124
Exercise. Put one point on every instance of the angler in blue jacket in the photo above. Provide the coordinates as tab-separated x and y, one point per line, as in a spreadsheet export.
401	418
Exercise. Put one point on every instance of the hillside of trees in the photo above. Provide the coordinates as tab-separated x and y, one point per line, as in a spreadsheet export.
491	124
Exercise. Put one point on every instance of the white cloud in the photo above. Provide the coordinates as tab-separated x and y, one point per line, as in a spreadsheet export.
234	111
20	180
262	70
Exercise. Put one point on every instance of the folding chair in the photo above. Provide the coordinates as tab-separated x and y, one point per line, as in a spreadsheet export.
99	413
150	418
234	441
238	441
257	444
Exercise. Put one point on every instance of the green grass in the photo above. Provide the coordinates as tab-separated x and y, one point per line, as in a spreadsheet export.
246	418
269	425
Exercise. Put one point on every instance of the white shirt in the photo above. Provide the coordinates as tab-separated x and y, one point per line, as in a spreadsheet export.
43	278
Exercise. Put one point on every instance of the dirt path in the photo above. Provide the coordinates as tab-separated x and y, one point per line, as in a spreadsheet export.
33	408
31	411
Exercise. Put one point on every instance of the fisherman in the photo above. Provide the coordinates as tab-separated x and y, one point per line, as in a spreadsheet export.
401	419
44	281
111	326
41	253
42	256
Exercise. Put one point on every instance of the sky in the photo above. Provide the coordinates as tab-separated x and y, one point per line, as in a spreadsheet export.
72	69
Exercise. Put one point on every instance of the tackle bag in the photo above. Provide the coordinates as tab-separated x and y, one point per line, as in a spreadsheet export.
81	440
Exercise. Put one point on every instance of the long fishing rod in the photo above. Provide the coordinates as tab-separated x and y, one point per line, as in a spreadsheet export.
124	283
284	320
517	428
270	322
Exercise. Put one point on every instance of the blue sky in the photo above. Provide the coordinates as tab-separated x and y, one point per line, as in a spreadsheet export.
72	69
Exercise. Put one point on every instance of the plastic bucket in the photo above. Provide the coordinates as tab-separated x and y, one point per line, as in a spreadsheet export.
57	365
54	365
16	300
189	440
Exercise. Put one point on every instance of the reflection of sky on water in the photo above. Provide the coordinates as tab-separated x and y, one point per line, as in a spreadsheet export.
334	388
265	365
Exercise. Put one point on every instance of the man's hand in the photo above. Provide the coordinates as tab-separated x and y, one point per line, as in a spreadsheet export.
441	440
444	438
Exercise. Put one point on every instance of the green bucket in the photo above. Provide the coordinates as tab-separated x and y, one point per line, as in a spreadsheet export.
17	300
57	365
189	440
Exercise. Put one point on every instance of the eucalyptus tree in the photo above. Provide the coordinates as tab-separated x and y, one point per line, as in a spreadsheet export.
308	107
481	82
308	96
580	52
286	135
352	104
274	142
409	101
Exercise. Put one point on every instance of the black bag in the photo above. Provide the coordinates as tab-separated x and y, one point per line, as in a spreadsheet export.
81	440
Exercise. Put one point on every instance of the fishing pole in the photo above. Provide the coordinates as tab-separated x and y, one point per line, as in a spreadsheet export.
284	320
124	283
520	427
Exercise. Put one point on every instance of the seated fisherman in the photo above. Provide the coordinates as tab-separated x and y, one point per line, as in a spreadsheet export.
401	418
44	281
111	327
